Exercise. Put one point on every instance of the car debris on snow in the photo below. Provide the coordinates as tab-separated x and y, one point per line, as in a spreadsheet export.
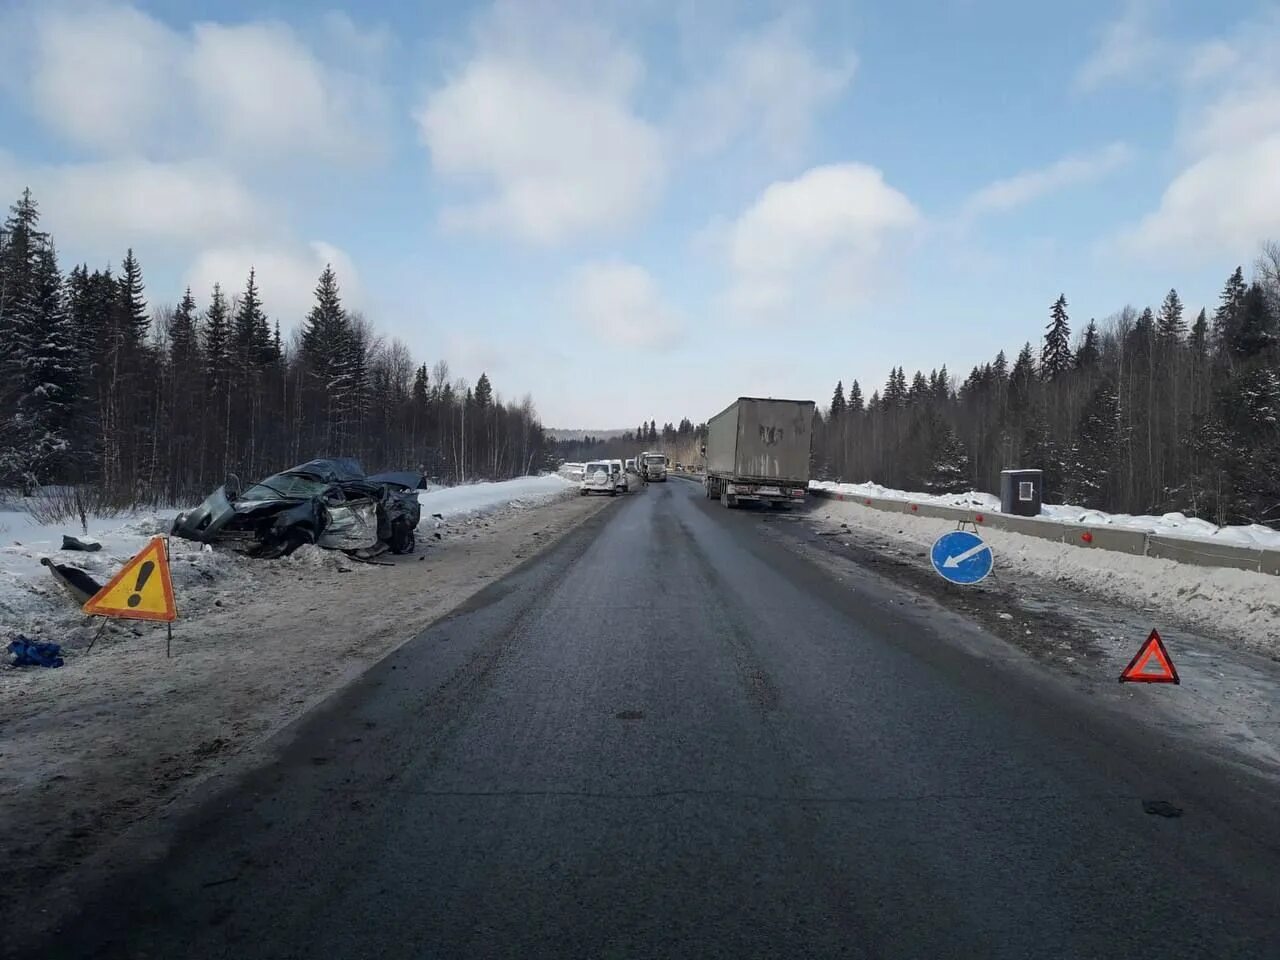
328	502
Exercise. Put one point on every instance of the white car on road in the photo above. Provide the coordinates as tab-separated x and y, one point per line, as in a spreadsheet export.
597	477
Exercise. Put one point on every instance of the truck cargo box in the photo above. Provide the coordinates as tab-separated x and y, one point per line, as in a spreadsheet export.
761	440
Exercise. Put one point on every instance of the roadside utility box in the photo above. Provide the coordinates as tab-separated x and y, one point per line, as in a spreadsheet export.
1021	492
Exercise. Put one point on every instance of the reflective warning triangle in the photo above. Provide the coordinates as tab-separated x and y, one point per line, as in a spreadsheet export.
141	590
1151	664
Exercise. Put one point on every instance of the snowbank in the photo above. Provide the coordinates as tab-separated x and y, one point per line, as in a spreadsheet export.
32	602
1169	525
484	497
1241	603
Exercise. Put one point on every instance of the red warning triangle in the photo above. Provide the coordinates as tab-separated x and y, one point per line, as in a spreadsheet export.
1151	664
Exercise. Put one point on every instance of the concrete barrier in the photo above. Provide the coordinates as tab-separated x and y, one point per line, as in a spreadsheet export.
1205	554
1134	542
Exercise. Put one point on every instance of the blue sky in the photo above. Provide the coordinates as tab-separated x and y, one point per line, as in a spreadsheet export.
641	210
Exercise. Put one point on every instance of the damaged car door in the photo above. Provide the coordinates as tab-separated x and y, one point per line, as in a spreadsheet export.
353	524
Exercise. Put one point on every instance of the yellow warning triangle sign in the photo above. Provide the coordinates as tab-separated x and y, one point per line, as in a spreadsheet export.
142	590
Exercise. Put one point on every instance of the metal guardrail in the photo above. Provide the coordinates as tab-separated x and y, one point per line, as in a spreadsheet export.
1134	542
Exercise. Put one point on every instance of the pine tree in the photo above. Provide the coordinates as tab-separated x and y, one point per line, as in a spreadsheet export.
1199	338
855	398
1093	461
1170	327
217	342
250	337
1055	357
1021	378
949	466
1089	353
837	401
1254	330
484	392
134	322
1227	317
48	396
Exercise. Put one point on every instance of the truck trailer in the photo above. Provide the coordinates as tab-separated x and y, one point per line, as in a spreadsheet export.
757	451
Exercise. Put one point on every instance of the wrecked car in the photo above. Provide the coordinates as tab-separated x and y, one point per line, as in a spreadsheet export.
328	502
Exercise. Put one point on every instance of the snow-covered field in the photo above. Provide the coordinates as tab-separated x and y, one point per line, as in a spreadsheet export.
31	601
1168	525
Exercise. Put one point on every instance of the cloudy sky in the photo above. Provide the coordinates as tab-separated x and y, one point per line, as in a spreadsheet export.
644	209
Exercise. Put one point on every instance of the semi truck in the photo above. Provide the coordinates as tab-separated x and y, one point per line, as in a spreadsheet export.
757	451
653	466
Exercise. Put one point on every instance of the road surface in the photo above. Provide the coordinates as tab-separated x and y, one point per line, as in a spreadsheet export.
670	736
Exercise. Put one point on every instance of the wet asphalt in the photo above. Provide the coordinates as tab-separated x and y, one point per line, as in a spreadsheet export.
669	736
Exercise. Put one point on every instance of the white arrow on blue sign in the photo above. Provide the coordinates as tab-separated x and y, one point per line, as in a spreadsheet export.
961	557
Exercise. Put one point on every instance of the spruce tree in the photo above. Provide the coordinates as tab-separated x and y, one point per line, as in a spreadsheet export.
855	398
132	305
1090	350
1199	338
1095	453
1227	317
837	401
217	343
1055	357
1254	331
1170	327
48	397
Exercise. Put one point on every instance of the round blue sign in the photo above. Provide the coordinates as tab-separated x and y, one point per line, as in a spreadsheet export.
961	557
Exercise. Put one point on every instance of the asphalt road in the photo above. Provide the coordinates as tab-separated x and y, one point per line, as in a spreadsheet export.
669	736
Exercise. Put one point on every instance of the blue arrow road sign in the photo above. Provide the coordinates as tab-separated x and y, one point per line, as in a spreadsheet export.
961	557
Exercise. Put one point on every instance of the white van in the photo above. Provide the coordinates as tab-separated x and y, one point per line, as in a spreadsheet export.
597	477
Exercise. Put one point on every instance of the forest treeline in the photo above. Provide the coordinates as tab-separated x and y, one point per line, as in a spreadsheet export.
162	403
1150	411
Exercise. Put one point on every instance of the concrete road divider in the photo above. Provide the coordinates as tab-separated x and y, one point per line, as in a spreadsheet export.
1135	542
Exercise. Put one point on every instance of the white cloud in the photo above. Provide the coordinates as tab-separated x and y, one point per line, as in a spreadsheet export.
619	303
102	75
768	85
262	91
286	275
1128	49
545	131
101	203
1032	184
109	77
819	237
1224	203
1226	198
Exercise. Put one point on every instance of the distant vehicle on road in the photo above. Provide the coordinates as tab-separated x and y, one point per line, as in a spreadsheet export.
597	477
653	467
757	451
631	465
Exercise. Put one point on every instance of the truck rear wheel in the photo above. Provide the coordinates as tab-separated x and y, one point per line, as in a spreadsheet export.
728	501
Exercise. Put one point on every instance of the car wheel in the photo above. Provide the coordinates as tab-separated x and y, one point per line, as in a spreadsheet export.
403	539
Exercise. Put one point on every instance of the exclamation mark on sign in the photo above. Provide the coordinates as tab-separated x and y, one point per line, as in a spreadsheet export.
144	572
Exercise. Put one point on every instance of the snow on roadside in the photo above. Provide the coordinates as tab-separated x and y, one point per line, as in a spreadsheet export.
474	498
1240	603
33	603
1168	525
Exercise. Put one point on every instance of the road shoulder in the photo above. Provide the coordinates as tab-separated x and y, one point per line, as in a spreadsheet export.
105	743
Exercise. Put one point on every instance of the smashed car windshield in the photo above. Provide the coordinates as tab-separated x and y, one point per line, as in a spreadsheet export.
285	485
